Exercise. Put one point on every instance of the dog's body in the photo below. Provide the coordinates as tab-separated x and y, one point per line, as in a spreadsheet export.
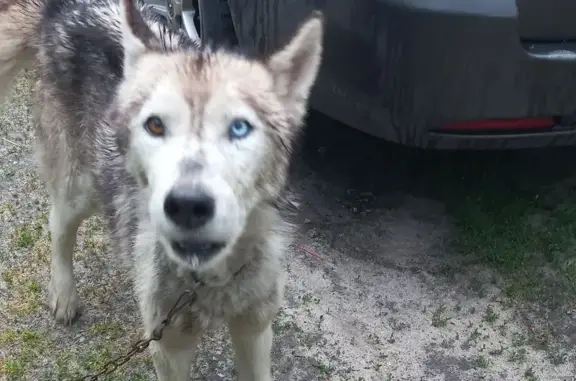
185	151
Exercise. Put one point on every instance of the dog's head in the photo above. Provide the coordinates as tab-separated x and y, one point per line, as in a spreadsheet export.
208	134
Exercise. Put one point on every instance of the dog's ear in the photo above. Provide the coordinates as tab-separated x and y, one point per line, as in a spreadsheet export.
137	38
296	65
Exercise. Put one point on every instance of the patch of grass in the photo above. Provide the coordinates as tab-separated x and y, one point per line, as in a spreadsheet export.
96	358
490	315
8	336
558	356
310	340
396	324
480	362
109	329
27	299
70	367
515	211
518	355
8	277
33	286
519	339
26	348
7	209
478	287
284	324
496	352
474	335
447	343
64	369
25	236
25	292
325	369
11	368
449	270
529	375
94	238
540	337
439	317
308	298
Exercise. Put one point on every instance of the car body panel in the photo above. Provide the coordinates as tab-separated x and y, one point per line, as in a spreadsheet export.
550	20
402	69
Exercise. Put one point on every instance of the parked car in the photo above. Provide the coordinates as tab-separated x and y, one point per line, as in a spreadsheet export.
445	74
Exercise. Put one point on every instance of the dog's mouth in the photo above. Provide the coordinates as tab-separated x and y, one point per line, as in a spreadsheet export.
199	249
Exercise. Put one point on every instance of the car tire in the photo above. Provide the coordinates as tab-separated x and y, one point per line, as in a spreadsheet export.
211	20
214	22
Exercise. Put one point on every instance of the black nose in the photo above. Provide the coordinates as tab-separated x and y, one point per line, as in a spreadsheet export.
189	207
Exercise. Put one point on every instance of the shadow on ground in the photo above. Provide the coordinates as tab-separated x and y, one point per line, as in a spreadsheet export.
512	210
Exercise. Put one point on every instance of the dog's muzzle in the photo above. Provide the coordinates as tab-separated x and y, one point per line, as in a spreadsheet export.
190	208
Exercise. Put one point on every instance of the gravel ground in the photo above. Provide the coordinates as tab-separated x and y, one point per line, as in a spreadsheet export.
367	296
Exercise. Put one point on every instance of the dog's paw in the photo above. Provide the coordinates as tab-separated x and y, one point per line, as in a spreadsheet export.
63	299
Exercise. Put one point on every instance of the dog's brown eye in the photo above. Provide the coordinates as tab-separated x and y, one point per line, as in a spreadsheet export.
154	126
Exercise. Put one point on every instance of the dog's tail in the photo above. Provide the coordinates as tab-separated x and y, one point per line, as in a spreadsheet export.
19	23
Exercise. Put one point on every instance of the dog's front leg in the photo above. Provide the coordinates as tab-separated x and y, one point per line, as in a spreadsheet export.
172	361
65	219
252	344
173	354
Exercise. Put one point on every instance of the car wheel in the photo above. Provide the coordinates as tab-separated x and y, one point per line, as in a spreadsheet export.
213	21
209	20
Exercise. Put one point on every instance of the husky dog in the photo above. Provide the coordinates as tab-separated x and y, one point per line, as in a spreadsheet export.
185	151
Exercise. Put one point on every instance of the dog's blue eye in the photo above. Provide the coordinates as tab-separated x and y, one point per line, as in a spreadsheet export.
239	129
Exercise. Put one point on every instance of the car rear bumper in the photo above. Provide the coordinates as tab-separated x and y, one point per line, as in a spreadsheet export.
403	69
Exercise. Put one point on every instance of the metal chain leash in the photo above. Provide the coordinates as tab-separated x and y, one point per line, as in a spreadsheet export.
185	300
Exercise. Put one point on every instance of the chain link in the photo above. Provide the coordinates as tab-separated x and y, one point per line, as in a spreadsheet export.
185	300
